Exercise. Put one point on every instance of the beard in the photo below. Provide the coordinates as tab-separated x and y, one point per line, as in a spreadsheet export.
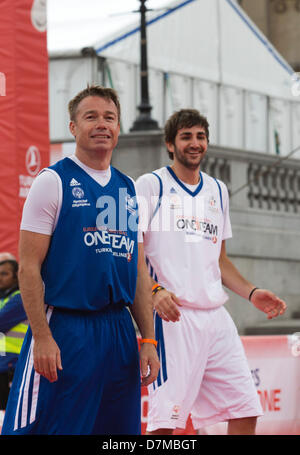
188	161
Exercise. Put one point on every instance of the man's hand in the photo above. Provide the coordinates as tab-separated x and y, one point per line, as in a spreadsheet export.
46	358
268	302
149	363
166	304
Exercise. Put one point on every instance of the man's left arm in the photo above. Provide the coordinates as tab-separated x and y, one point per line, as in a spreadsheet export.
142	312
262	299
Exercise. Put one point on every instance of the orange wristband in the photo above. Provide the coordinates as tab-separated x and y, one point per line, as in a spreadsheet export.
149	340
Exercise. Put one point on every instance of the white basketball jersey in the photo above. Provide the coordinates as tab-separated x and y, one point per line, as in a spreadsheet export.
183	233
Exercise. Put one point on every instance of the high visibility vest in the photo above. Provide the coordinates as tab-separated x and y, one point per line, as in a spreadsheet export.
12	340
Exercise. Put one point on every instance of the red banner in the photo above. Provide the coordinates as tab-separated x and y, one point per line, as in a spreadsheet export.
24	132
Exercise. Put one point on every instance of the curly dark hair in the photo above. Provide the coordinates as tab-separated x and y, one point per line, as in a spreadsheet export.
184	118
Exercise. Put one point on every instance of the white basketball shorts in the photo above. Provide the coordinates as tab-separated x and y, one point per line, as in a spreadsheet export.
204	371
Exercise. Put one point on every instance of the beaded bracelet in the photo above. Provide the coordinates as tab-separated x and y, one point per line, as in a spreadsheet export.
156	288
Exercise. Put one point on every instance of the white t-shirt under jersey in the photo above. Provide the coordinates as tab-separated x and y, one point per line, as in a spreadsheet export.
43	204
183	240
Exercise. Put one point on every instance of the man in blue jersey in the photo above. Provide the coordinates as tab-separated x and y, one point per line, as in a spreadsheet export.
81	268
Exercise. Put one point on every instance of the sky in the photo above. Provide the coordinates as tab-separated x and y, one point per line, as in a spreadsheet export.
68	10
73	24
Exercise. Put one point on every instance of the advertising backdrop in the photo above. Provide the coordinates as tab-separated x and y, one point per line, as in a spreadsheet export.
275	366
24	130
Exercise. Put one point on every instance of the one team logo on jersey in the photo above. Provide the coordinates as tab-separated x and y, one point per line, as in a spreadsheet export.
197	229
116	243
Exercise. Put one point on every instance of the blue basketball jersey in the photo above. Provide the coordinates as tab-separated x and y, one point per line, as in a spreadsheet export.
92	258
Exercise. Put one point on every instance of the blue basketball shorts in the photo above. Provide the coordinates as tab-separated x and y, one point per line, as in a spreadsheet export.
98	390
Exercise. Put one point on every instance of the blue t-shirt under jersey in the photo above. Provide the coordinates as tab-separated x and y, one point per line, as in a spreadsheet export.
92	258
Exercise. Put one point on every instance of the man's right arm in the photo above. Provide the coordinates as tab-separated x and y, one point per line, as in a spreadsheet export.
41	210
33	248
166	305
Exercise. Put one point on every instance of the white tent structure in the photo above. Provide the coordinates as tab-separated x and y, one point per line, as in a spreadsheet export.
205	54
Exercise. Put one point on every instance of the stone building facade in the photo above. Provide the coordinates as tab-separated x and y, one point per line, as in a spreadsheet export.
279	20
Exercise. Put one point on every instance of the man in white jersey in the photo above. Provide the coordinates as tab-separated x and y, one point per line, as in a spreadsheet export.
186	223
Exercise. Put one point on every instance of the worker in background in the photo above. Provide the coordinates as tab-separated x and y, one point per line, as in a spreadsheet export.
3	256
13	324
